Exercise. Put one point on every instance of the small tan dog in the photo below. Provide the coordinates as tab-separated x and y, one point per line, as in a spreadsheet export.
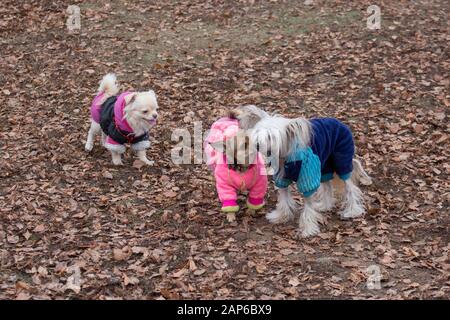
123	119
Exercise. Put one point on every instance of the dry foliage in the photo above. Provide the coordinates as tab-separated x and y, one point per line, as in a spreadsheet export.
156	232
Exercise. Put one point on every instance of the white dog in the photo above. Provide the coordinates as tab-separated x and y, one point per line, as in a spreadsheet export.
308	153
124	119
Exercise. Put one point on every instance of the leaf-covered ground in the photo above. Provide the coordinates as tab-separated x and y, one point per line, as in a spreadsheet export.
156	232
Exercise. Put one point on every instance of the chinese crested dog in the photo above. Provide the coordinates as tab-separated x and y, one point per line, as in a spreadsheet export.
308	153
123	119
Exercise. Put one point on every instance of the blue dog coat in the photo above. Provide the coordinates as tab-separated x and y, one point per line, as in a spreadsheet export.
331	151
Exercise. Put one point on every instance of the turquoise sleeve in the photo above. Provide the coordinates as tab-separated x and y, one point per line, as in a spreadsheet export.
282	183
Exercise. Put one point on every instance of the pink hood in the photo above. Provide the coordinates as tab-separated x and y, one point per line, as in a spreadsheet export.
221	130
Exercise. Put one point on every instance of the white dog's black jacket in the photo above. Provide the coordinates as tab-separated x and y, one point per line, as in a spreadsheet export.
112	129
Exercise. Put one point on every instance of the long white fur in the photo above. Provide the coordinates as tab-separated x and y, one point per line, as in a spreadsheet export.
354	201
359	175
94	129
309	219
324	198
286	207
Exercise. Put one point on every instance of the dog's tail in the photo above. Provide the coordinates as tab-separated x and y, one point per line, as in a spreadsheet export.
108	85
359	175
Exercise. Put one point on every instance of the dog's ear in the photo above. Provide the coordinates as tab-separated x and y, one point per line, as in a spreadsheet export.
219	146
129	99
234	113
248	120
248	116
152	93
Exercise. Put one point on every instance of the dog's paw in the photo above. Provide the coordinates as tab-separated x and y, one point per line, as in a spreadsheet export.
365	180
319	206
145	161
323	201
309	231
88	147
277	217
103	140
350	214
231	216
149	162
323	206
321	219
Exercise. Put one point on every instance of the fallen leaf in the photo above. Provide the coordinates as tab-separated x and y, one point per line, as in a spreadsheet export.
294	282
39	228
107	175
121	254
170	194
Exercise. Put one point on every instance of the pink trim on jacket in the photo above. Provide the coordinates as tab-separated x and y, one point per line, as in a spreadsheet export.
119	113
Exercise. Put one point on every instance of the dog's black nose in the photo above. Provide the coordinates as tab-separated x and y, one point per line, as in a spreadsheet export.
155	116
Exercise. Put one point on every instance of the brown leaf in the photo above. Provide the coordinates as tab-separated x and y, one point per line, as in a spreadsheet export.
22	285
39	228
121	254
107	175
79	215
394	128
170	295
130	280
294	282
170	194
138	164
418	128
199	272
179	273
192	265
286	252
13	239
261	268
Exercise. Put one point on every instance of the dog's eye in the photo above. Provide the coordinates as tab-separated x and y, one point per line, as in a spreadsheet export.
145	111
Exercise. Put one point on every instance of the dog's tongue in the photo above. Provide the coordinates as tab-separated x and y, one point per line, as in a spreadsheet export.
152	121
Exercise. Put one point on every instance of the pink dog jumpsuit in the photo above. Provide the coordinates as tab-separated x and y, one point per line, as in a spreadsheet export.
228	181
